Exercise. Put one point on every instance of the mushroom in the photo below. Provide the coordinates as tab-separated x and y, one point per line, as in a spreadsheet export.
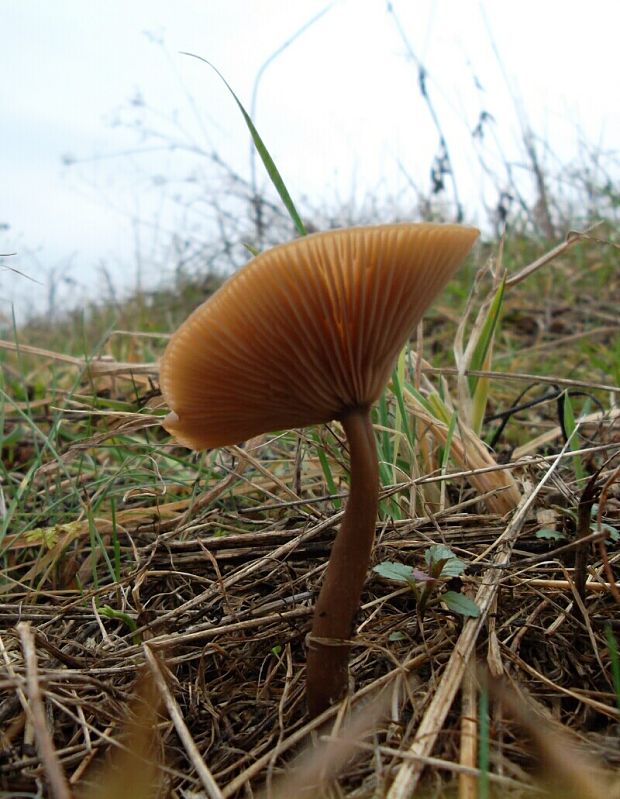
304	334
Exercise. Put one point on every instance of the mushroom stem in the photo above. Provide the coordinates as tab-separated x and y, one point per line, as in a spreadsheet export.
339	598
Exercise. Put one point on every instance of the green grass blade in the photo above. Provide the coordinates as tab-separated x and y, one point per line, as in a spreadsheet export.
385	442
326	468
254	251
385	454
424	402
570	427
94	540
614	657
485	338
116	544
398	379
267	160
445	458
97	543
479	404
439	409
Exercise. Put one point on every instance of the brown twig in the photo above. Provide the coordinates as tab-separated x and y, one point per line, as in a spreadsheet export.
206	778
36	712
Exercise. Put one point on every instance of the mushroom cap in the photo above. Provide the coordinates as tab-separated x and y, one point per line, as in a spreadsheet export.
305	332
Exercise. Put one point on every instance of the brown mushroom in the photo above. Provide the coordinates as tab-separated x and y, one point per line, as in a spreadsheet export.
306	333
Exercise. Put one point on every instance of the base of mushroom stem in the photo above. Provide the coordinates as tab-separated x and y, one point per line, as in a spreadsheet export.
330	661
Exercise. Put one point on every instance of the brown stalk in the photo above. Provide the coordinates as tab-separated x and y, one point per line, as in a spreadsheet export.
35	710
339	599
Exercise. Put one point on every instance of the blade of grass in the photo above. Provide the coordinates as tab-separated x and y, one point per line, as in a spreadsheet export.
252	250
445	458
486	334
266	158
570	428
94	542
614	657
97	542
386	454
326	469
115	542
481	359
398	379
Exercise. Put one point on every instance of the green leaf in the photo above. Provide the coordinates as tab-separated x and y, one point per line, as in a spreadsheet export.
548	533
267	160
461	604
394	571
400	572
396	636
442	561
612	532
453	568
438	552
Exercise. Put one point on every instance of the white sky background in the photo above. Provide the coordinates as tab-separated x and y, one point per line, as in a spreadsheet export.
339	110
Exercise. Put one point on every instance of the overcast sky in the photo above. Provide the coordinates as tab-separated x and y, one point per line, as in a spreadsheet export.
340	109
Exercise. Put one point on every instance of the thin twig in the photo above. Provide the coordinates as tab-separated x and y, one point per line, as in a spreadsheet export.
206	778
36	712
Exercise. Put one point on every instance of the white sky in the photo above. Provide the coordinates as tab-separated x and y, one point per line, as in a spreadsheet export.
339	109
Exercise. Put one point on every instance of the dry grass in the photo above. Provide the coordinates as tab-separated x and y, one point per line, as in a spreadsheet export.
129	563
